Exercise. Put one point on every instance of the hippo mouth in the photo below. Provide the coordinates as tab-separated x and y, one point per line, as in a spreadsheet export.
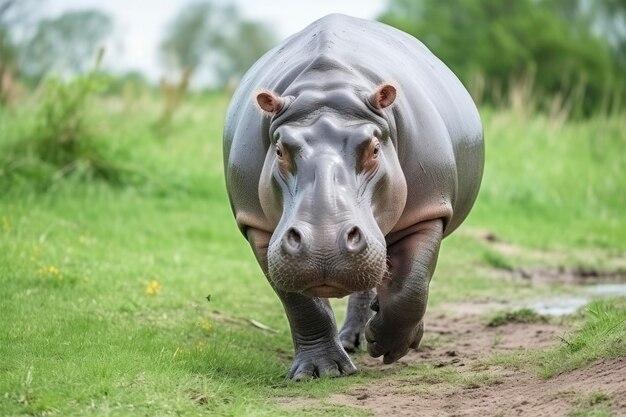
327	291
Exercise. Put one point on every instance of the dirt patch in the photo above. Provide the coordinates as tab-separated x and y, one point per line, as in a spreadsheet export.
460	340
563	275
454	382
516	394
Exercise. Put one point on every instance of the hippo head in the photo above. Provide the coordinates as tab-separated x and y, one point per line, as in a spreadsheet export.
333	186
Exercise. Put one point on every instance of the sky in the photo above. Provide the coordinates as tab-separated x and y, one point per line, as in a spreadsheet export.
140	24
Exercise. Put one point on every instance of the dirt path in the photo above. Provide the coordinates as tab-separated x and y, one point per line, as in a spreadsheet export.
465	387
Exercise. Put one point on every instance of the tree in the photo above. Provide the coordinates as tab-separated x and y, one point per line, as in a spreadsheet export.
505	41
208	35
66	44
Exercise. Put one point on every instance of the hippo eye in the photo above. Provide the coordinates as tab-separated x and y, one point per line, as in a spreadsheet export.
376	150
279	153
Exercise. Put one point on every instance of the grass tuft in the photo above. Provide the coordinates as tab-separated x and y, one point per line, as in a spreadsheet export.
522	315
592	405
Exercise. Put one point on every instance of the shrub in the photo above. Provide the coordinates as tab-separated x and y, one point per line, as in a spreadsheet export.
57	139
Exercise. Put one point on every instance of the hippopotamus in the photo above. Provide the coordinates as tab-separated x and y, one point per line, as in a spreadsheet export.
350	152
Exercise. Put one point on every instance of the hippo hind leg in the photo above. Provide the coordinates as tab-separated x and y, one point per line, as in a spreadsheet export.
359	312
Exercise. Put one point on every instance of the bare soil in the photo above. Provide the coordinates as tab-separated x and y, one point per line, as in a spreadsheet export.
459	343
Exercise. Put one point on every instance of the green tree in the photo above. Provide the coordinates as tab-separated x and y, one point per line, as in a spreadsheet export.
66	44
215	37
505	41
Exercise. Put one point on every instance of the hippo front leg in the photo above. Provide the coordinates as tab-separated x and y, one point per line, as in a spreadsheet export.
318	351
401	302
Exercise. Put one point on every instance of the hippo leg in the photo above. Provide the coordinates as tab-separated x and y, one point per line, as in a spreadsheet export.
401	301
318	351
352	332
314	333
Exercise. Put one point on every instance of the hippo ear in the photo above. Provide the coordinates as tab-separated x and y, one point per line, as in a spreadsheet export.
384	96
270	102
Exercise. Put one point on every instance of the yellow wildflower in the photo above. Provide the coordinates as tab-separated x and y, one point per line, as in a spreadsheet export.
206	325
50	271
153	287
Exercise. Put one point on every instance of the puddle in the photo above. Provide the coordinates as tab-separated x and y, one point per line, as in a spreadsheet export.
608	289
561	306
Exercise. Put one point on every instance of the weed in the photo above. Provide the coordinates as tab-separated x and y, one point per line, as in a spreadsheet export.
522	315
592	405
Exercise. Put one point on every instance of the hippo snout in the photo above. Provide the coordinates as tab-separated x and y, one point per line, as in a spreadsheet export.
326	261
350	240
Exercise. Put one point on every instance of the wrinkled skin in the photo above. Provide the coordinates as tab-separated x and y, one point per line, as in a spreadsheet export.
350	151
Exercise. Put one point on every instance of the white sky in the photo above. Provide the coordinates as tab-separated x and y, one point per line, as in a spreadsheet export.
140	24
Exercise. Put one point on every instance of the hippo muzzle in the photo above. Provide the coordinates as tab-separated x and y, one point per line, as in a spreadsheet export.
320	262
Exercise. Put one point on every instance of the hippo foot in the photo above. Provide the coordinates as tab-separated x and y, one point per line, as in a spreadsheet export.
319	360
351	338
389	340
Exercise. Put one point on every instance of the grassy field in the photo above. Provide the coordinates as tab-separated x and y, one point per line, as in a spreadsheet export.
105	287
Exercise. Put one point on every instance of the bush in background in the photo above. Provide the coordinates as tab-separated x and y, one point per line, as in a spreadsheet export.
57	139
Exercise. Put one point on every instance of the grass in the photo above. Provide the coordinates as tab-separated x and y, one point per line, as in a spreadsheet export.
593	405
598	333
103	307
522	315
554	187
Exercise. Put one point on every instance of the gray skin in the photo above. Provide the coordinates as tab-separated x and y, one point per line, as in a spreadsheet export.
350	151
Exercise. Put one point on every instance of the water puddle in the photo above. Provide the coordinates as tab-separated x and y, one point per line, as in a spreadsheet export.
561	306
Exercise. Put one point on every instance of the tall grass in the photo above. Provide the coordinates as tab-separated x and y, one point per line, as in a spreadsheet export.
552	184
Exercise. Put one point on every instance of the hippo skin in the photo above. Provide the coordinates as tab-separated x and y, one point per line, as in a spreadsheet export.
350	152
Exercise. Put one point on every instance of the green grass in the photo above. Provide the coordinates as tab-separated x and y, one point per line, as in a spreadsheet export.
599	333
554	187
522	315
593	405
83	333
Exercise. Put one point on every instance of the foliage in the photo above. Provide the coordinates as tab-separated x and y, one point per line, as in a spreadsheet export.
208	34
65	44
551	41
59	140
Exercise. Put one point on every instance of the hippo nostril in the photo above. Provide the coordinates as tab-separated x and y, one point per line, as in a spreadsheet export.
354	236
292	242
354	240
